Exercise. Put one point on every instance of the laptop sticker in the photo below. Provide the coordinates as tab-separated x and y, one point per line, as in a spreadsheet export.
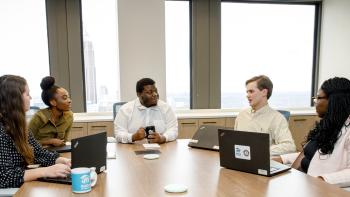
262	172
242	152
216	147
76	144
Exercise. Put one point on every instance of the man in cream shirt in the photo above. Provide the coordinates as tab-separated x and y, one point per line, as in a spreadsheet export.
146	110
260	117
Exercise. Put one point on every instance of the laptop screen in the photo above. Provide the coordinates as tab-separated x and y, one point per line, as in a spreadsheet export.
90	151
206	137
244	151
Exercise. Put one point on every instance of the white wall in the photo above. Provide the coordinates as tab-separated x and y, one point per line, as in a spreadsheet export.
141	44
335	40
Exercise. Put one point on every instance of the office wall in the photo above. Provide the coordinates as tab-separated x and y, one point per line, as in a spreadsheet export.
335	40
141	44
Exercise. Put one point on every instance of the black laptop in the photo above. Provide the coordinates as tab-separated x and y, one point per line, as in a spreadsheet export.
248	152
60	149
88	151
206	137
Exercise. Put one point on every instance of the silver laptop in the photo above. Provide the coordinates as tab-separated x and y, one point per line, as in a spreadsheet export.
206	137
248	152
88	151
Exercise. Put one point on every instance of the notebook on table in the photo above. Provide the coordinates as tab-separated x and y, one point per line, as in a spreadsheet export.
88	151
248	152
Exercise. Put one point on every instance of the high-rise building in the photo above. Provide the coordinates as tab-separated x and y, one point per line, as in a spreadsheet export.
90	71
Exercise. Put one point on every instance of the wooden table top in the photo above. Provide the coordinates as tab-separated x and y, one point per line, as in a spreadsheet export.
131	175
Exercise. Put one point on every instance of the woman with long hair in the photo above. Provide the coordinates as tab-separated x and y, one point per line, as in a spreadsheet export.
326	153
18	148
51	126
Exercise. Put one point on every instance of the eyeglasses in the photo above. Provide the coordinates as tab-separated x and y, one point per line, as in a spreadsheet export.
316	98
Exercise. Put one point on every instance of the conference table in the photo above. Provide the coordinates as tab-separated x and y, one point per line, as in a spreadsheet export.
132	175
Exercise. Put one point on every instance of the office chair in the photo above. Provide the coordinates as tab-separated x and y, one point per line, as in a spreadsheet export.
116	107
32	110
285	113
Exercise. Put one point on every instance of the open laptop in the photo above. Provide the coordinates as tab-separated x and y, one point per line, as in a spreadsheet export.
206	137
88	151
60	149
248	152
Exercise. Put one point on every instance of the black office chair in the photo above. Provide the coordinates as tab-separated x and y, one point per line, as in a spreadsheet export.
116	107
285	113
32	110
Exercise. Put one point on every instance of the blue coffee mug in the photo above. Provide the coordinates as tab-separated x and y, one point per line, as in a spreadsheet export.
83	179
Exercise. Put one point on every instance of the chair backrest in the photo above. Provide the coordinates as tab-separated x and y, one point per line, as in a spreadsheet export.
35	108
116	107
285	113
32	110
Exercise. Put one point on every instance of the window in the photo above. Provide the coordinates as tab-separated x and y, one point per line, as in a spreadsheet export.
272	39
24	45
100	54
177	39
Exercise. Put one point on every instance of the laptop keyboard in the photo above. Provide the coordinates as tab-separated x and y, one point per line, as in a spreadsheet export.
65	180
274	166
68	177
273	169
277	167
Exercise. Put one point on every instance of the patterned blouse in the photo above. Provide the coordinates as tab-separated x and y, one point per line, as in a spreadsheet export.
12	165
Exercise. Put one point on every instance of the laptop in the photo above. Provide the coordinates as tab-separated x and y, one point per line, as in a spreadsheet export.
88	151
206	137
60	149
248	152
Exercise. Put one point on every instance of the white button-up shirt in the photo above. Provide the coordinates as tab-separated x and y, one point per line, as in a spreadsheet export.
267	120
133	115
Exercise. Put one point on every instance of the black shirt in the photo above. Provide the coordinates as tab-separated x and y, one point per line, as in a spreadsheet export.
309	152
12	164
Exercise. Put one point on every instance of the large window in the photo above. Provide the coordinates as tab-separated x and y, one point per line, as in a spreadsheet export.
271	39
177	33
100	54
23	43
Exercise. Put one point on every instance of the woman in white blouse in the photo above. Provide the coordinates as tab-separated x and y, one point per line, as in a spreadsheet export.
326	153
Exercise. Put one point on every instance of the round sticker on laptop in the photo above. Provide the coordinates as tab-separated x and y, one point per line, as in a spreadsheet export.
246	153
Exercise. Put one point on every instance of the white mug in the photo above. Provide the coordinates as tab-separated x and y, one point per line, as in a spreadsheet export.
83	179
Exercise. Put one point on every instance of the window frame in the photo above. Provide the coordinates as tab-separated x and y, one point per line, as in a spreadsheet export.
66	58
317	33
214	8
